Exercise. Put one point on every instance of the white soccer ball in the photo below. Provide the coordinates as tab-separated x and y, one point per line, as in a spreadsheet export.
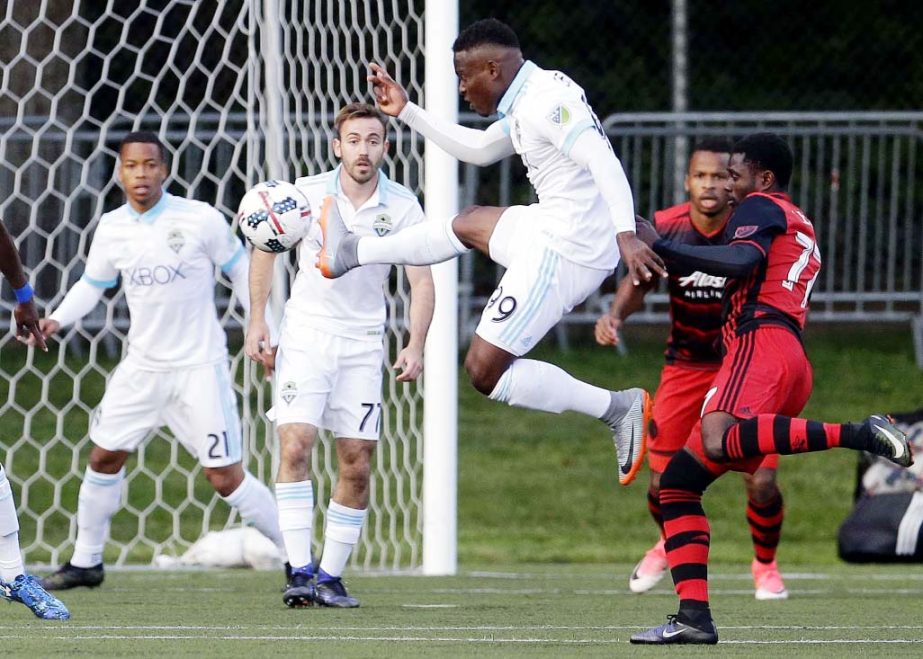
274	216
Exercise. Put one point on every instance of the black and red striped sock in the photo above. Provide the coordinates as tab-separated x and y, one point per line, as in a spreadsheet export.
765	520
766	434
687	534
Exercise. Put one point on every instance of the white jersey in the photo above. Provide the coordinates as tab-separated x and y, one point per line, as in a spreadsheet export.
544	113
166	258
352	305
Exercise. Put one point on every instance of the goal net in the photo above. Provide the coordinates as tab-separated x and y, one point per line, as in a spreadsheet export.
240	91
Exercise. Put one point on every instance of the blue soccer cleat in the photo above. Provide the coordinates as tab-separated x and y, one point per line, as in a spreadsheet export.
299	592
331	592
674	632
26	589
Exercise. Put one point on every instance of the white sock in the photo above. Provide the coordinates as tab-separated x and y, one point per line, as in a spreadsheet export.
295	502
422	244
340	536
256	506
541	386
98	500
10	555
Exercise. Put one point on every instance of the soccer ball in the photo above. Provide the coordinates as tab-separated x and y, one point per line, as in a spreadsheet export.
274	216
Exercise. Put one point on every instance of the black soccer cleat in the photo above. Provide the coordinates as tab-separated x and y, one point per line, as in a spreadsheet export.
887	440
299	593
332	592
675	632
69	576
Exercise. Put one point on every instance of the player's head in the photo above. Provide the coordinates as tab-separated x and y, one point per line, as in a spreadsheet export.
361	140
142	168
707	176
761	162
487	57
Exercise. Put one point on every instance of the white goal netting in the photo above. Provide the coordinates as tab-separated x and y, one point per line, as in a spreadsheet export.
239	90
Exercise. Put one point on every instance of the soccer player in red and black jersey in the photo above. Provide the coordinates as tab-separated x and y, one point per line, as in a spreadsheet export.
771	260
693	356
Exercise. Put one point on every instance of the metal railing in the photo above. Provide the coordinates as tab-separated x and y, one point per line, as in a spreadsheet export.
857	175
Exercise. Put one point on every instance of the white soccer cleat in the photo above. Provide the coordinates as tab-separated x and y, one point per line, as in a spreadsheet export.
629	434
649	570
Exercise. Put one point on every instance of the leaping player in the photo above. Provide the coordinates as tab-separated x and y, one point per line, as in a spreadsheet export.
556	252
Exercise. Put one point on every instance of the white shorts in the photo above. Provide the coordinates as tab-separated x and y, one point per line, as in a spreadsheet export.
329	382
197	404
538	287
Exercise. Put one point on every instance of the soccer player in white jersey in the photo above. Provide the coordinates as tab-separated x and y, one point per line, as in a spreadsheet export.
556	252
15	584
329	362
175	372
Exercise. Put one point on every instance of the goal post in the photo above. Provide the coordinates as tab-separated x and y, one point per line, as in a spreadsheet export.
239	90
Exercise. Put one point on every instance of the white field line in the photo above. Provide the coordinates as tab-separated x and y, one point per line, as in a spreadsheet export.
439	639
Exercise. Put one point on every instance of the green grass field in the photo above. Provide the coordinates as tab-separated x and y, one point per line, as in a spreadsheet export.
546	541
496	610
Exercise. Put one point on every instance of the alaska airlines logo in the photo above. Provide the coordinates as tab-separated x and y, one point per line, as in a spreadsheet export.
159	275
702	280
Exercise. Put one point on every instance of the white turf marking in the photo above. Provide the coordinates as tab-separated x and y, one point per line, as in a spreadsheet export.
453	628
442	639
430	606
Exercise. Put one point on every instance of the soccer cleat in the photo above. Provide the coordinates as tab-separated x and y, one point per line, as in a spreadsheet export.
674	632
887	440
69	576
649	570
26	589
337	254
629	434
332	592
768	581
299	592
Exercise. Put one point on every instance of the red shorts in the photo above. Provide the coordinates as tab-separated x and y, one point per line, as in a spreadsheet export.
677	407
764	372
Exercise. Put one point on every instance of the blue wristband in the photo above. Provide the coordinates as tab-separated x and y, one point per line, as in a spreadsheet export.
23	294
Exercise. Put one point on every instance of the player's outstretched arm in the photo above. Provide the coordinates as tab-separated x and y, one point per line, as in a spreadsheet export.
478	147
592	151
78	302
422	303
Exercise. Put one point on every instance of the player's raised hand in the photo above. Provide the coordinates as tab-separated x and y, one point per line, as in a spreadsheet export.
389	95
641	261
28	327
410	363
606	331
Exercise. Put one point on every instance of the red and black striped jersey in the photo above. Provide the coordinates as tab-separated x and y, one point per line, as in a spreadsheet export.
778	290
695	299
